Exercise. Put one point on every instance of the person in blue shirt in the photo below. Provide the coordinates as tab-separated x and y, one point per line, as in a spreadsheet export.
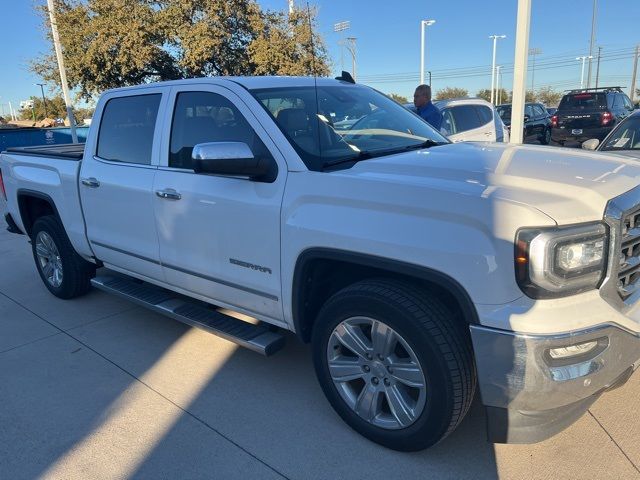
426	109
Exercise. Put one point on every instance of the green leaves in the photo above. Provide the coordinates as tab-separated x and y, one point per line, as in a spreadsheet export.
114	43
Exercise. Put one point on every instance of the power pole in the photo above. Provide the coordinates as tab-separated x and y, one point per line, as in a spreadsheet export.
598	66
63	73
339	28
633	75
593	39
44	100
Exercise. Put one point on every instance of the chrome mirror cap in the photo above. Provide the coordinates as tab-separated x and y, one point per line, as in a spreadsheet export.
222	151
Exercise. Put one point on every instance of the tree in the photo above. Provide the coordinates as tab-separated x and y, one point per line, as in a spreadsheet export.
451	92
114	43
288	45
56	108
502	96
549	96
485	94
398	98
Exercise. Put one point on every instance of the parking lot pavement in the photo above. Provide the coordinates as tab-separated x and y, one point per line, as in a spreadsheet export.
99	388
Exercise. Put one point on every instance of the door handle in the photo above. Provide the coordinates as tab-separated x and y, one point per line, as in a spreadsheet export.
169	194
90	182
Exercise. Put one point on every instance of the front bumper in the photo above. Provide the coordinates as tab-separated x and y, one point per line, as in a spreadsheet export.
529	396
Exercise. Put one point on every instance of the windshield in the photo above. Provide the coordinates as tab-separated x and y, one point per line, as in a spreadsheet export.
626	136
504	111
342	123
583	101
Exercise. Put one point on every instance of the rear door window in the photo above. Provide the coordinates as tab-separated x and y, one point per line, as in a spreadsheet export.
126	129
584	101
465	118
484	113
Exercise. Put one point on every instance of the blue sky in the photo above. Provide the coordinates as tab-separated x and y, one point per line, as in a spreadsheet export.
388	41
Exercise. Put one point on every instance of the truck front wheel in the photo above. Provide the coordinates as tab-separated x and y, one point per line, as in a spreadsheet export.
65	273
394	363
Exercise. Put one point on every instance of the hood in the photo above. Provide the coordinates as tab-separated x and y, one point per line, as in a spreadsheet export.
568	185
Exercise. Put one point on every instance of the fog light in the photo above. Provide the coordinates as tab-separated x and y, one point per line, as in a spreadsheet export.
572	350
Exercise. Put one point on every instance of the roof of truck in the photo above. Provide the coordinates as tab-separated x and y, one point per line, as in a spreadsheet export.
248	82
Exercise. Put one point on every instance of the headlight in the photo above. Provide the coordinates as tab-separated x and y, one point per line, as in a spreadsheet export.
560	261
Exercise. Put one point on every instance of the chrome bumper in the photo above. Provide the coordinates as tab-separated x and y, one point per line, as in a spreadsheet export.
530	396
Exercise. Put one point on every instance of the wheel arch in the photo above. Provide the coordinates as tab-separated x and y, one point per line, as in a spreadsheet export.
320	272
33	205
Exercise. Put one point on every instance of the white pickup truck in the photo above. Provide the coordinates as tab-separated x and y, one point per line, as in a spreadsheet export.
417	268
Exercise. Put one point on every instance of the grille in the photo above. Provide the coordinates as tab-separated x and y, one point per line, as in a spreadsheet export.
629	270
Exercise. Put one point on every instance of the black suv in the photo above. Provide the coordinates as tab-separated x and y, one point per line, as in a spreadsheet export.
589	113
537	124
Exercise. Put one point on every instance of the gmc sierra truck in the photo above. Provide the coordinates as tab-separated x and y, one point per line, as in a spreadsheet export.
416	268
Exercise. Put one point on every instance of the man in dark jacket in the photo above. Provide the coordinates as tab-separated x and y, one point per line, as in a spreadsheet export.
424	107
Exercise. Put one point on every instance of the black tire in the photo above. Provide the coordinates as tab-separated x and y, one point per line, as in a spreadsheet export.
546	137
76	271
440	341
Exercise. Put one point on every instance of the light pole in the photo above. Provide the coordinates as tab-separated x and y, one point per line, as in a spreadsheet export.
498	92
593	39
493	65
351	46
44	101
583	59
423	25
598	66
533	52
338	28
523	24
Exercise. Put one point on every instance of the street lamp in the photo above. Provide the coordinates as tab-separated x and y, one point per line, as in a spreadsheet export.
338	28
533	52
423	25
582	59
44	101
498	92
493	64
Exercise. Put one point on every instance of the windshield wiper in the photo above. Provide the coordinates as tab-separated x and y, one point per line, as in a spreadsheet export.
426	144
366	154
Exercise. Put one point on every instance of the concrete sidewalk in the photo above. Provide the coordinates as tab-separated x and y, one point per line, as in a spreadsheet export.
98	388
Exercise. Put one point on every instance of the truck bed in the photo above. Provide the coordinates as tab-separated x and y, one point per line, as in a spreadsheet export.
68	151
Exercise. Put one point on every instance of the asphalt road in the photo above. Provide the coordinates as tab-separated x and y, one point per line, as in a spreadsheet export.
99	388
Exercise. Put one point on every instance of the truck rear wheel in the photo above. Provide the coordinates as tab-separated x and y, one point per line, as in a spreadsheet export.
65	273
394	363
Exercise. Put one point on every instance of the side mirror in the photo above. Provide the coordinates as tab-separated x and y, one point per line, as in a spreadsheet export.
591	144
232	159
526	118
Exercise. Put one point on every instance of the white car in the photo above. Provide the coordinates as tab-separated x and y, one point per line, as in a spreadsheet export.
471	120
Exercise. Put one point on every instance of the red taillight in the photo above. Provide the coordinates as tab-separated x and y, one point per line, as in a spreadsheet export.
554	120
605	118
2	190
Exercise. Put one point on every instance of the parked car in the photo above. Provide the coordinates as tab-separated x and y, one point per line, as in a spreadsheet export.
537	124
417	268
589	113
623	139
469	119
